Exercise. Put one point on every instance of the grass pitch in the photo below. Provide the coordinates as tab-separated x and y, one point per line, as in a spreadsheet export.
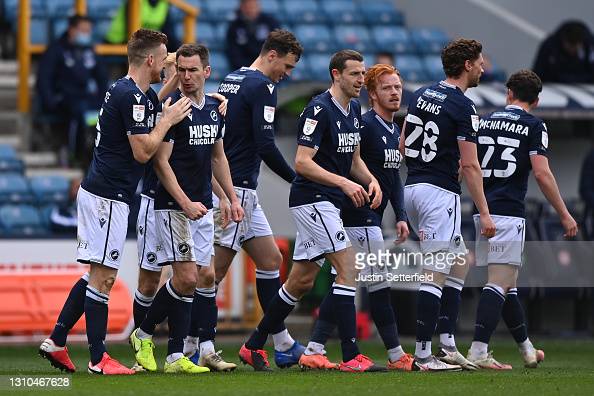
568	369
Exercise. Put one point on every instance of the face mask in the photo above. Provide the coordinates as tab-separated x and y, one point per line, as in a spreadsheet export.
82	39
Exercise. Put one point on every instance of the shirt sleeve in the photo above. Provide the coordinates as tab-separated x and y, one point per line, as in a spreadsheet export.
135	112
312	123
538	142
467	123
263	109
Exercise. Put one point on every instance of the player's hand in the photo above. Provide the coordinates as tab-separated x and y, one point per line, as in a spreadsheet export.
402	232
355	192
225	209
488	228
237	212
176	112
195	210
569	225
224	101
375	191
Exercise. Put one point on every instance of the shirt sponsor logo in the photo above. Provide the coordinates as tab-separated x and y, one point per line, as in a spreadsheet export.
505	114
435	95
229	88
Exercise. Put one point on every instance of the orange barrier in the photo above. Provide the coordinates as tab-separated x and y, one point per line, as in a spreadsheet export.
30	302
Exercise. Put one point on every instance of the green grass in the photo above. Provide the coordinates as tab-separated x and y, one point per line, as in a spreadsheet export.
568	369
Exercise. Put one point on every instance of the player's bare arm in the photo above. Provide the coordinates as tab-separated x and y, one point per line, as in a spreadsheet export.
221	172
361	173
224	204
194	210
401	145
548	185
144	146
306	167
471	171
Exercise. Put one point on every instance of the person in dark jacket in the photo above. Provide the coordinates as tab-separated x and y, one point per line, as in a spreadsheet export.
247	33
71	81
567	56
587	194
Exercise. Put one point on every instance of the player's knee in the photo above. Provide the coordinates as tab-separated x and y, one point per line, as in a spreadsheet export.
298	286
107	283
272	263
206	279
148	284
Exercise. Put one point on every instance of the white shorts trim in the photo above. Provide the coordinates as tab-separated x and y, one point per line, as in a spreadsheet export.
184	239
254	223
435	216
506	247
319	231
102	228
369	240
147	241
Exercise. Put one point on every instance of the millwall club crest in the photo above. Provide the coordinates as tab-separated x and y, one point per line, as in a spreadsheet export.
214	116
356	123
138	113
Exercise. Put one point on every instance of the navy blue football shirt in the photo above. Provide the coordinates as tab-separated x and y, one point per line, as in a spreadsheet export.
334	132
379	151
193	139
438	116
126	110
249	133
506	140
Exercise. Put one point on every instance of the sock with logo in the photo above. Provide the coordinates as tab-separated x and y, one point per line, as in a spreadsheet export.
140	307
427	312
96	322
450	307
73	308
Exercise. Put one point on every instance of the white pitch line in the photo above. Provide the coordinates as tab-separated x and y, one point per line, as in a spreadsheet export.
511	18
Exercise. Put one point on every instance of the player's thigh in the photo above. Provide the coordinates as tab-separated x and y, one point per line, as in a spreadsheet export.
506	247
202	235
319	231
102	228
233	236
265	252
147	242
301	278
175	232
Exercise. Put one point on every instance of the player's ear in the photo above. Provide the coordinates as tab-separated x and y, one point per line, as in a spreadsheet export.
272	55
207	70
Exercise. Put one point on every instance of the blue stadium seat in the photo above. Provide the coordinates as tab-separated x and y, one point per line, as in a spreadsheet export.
205	34
219	66
221	33
318	66
14	189
38	9
342	12
20	220
393	39
178	15
274	8
434	67
411	68
315	38
217	10
45	213
9	161
39	31
301	71
355	37
103	8
60	8
50	189
429	40
384	13
303	11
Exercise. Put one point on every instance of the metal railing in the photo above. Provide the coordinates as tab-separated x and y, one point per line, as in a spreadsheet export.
26	50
